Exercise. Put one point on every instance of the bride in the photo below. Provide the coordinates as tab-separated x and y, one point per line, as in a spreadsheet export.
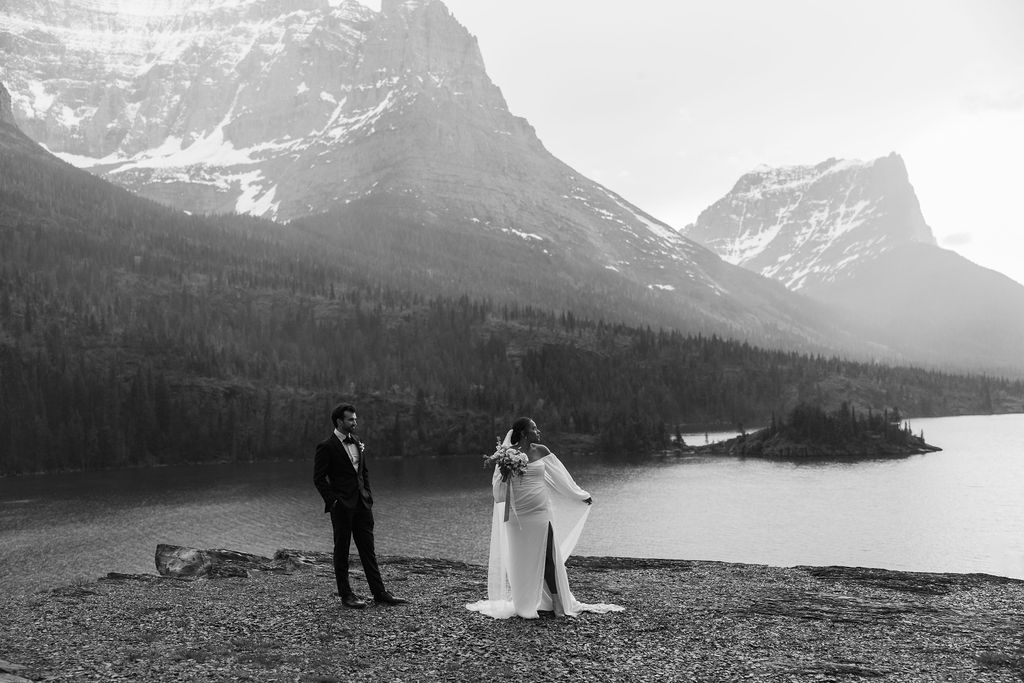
538	515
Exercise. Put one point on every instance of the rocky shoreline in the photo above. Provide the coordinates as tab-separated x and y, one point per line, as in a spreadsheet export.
241	617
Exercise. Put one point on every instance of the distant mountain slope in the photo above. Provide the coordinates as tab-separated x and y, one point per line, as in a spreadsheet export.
937	305
851	236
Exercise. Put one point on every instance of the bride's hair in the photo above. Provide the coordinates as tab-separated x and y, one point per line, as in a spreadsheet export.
519	428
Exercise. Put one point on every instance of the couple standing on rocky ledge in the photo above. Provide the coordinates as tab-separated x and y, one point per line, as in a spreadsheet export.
538	515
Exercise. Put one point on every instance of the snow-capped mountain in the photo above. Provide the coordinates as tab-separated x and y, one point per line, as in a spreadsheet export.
850	235
276	108
377	131
203	104
807	226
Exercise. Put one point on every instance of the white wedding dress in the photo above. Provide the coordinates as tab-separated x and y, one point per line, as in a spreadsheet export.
544	495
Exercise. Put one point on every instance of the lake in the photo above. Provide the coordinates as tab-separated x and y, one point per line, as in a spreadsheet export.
960	510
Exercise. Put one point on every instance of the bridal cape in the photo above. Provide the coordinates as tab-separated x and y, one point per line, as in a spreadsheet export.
544	494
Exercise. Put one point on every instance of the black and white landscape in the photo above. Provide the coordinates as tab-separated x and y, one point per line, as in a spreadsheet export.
267	176
221	218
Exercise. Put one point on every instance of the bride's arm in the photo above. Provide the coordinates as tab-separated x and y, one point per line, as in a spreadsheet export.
559	479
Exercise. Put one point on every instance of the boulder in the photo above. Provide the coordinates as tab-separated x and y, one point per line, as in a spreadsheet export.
298	559
181	562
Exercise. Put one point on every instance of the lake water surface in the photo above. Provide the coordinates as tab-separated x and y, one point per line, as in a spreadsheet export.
959	510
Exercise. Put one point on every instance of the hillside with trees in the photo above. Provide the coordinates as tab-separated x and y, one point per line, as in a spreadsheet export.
135	335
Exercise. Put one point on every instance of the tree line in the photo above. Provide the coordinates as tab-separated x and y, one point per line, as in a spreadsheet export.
134	335
842	425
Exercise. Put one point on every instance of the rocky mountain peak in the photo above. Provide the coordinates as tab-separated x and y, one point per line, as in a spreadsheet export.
420	43
805	225
211	105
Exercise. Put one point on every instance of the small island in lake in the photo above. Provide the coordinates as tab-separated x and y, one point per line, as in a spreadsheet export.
810	432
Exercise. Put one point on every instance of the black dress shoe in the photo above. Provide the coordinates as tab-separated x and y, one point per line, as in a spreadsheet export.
352	601
389	599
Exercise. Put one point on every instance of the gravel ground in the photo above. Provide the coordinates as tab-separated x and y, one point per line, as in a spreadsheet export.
684	621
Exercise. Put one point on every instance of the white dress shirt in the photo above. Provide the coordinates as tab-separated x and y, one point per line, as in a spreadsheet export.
350	448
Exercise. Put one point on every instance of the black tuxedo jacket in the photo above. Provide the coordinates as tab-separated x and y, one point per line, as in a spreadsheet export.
335	477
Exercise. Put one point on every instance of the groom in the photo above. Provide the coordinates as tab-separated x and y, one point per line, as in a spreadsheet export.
340	474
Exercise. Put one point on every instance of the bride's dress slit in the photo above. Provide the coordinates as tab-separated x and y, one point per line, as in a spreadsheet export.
549	562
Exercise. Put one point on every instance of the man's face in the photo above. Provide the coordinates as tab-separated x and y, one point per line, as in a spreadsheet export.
348	422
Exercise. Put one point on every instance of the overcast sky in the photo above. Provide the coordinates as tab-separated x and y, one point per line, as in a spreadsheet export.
668	102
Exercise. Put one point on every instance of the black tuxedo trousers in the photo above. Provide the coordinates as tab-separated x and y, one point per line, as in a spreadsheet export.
355	524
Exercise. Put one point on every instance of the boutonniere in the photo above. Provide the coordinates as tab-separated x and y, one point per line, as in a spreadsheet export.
360	447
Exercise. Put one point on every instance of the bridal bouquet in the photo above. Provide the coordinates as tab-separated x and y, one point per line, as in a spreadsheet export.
510	461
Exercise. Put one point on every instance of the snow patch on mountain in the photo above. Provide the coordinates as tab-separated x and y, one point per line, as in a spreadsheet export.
254	200
657	229
529	236
747	245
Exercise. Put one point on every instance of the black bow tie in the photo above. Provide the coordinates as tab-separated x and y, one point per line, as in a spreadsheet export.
348	439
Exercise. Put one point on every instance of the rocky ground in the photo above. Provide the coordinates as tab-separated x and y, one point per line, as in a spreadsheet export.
256	619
